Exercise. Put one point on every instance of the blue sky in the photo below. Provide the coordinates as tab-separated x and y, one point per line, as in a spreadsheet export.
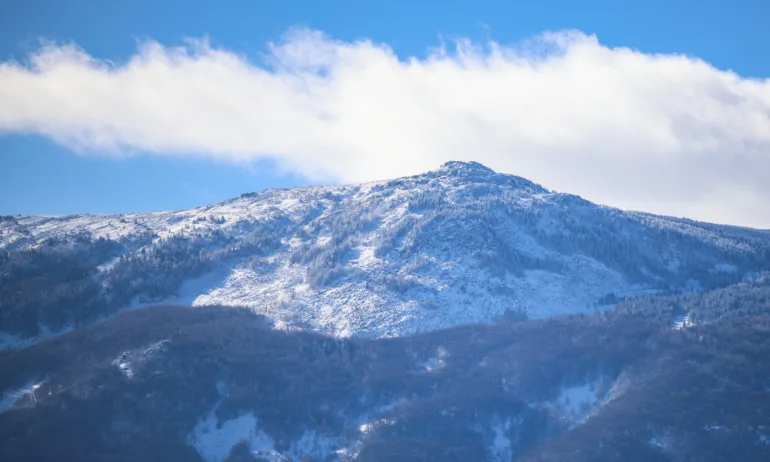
40	174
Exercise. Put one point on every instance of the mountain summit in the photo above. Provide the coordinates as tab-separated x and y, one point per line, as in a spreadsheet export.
456	245
474	172
459	167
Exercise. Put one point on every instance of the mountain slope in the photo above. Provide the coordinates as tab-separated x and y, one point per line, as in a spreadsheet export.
457	245
217	384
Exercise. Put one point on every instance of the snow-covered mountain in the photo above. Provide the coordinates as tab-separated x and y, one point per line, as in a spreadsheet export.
457	245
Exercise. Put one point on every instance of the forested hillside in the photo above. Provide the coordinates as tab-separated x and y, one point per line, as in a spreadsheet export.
218	383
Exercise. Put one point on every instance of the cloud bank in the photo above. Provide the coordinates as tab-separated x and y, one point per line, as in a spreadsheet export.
663	133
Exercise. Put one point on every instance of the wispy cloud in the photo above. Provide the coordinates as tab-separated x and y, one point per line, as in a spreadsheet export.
664	133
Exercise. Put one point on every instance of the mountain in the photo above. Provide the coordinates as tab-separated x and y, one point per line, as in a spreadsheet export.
461	244
457	315
218	384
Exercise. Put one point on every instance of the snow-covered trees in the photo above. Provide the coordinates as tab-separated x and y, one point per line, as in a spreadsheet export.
52	286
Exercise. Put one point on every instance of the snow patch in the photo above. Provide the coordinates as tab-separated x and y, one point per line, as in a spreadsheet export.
501	449
578	400
313	445
369	426
437	362
106	266
124	364
714	428
367	422
194	289
128	361
660	441
214	439
682	322
29	392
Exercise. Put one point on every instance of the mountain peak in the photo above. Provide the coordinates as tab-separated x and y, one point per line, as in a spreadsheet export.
474	171
457	166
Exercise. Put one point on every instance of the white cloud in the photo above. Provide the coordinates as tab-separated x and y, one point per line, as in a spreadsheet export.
664	133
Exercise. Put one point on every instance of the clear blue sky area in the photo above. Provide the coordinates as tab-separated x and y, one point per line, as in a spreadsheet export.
39	177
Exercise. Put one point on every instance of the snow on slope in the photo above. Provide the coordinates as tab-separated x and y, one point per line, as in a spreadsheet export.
457	245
